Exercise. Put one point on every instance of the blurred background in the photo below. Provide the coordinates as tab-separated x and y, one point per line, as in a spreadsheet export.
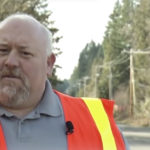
102	50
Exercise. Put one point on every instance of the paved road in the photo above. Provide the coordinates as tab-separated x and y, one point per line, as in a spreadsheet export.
138	138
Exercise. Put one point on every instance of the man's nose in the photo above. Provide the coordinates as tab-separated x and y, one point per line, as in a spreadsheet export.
12	60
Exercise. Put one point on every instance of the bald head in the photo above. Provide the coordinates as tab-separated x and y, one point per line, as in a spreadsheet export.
24	64
18	20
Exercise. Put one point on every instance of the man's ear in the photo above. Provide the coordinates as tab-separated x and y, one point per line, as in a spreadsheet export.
50	63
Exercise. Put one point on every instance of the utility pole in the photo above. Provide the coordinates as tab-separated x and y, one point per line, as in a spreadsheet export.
84	82
109	66
110	82
132	100
132	85
132	80
79	87
97	74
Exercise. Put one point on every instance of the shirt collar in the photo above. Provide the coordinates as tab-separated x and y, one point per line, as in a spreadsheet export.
49	105
5	112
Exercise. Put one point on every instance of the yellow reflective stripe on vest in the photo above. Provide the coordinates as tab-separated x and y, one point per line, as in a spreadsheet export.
100	117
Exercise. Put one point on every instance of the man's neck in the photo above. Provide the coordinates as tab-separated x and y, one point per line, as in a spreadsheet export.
20	112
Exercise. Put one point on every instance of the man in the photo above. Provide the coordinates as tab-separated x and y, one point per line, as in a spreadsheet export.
33	116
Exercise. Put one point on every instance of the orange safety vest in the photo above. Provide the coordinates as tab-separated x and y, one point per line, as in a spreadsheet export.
94	126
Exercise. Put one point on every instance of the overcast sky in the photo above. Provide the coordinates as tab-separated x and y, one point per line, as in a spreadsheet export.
79	22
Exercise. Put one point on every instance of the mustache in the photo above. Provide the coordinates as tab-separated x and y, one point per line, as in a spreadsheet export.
16	73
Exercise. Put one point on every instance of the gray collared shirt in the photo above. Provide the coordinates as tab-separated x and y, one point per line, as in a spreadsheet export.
42	129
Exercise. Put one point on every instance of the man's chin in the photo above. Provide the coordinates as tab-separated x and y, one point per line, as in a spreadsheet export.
10	99
8	91
5	99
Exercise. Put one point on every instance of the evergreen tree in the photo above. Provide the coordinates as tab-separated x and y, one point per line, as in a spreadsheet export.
141	36
117	38
88	56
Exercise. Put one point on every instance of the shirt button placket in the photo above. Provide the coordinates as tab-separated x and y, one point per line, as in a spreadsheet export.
20	135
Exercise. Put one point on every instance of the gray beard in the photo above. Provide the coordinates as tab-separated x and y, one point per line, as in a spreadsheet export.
14	96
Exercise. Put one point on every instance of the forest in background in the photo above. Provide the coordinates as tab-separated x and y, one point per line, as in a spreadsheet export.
119	67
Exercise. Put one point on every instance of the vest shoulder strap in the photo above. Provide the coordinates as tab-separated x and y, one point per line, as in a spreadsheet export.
94	126
85	136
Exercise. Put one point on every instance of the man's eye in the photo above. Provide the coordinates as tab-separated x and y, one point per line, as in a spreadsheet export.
26	54
4	51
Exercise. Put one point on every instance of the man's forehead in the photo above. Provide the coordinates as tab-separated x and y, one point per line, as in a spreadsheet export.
6	42
22	31
16	34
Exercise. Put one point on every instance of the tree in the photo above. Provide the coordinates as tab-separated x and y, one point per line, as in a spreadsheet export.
118	37
141	36
92	52
141	26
